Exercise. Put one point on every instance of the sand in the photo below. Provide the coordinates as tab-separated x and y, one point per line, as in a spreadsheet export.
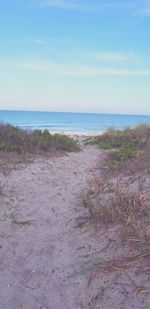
41	246
79	133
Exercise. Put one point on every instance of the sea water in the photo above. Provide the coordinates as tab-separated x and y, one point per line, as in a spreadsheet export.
72	122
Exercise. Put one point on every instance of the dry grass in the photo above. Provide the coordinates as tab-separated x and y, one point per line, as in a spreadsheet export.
119	195
117	200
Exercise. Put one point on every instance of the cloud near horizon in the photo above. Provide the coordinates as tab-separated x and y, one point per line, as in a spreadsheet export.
58	69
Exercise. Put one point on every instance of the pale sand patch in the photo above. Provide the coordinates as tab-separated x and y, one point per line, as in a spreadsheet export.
78	133
40	246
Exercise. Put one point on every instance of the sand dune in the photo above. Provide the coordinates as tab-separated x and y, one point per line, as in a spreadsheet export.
41	247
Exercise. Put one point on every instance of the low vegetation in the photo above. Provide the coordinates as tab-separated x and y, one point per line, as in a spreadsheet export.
18	146
119	194
14	139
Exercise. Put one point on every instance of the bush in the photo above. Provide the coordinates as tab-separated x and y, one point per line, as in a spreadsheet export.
136	138
14	139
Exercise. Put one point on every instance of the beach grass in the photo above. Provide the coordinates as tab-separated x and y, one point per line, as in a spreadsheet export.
119	193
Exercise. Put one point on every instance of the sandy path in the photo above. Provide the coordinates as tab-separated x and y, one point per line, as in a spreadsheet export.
37	258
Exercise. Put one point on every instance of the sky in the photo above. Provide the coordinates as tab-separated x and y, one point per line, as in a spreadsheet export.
75	55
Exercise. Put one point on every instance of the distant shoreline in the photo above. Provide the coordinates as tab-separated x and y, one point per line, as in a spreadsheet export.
75	112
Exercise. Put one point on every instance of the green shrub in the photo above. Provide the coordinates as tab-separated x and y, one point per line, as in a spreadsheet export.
125	152
130	139
14	139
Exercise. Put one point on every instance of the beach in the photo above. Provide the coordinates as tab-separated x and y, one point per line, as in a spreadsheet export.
78	135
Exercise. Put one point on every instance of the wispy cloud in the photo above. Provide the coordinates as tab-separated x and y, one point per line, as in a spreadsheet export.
142	8
111	56
143	12
36	41
86	5
58	69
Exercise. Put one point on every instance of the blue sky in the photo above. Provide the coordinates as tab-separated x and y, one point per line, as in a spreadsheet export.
71	55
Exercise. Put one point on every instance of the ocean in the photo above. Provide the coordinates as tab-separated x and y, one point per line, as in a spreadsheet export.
72	122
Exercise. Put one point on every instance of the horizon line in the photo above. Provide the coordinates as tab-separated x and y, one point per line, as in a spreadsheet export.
73	112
